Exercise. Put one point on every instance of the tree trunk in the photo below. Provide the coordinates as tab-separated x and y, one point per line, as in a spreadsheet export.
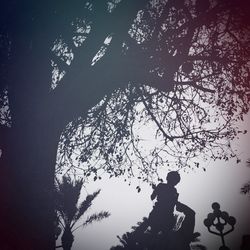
29	151
29	158
67	238
39	116
30	212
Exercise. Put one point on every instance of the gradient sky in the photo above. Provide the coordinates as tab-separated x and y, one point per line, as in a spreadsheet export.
221	182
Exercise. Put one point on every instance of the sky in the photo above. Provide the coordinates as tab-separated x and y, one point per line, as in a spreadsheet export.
221	182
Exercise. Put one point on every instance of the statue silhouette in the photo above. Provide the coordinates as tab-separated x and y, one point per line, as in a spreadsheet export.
161	219
181	238
163	230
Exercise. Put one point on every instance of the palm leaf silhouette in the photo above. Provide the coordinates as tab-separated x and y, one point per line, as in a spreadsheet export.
85	205
69	211
96	217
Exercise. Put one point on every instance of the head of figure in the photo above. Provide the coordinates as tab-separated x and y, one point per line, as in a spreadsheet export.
173	178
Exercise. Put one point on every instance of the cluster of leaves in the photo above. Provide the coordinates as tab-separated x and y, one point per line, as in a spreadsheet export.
245	189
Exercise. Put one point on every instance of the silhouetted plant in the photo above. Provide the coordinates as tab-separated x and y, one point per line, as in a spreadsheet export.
141	238
195	245
70	211
245	189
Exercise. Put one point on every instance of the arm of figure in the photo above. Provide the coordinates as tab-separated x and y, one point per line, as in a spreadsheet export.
154	194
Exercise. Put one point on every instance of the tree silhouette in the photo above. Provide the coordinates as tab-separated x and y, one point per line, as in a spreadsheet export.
110	67
69	212
191	104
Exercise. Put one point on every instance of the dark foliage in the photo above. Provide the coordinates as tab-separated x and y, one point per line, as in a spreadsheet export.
196	86
180	66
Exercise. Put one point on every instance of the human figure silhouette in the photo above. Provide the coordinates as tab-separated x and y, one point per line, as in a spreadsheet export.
162	229
161	219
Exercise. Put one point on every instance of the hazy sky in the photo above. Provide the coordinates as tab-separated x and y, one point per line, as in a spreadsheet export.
198	189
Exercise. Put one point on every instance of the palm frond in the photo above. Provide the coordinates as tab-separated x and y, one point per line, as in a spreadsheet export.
84	206
96	217
67	196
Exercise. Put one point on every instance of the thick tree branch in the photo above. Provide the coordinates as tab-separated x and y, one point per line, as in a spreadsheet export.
78	90
195	85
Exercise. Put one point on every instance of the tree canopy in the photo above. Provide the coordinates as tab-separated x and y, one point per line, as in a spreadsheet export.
187	79
179	67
